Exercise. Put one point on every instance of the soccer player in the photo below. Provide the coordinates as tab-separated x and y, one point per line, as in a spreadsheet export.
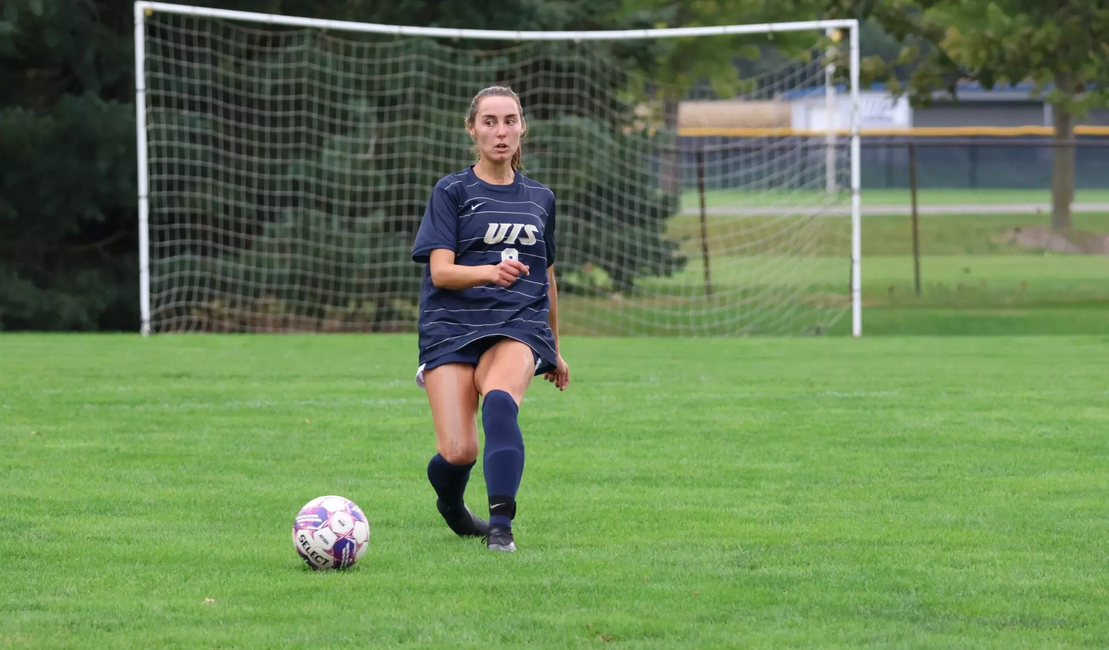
488	317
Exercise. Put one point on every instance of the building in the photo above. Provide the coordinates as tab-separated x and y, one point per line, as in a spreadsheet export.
1000	138
973	106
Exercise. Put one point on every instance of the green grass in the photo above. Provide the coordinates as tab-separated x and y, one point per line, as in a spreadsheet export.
788	275
986	295
978	234
833	493
887	196
954	280
960	294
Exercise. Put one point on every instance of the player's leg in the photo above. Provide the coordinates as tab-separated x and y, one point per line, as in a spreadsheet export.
502	377
454	399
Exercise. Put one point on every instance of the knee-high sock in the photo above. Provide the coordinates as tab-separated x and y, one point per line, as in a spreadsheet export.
504	455
448	480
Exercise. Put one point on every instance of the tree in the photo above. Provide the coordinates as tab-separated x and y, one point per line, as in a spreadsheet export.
1062	48
68	243
720	62
68	206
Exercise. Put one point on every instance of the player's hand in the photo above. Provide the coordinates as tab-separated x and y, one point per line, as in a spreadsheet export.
507	272
560	376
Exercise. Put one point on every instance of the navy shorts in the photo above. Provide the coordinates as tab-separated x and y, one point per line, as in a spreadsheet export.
469	354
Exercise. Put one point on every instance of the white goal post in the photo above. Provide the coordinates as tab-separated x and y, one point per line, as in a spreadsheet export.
277	158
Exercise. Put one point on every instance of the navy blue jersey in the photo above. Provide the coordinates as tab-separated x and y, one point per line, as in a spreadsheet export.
483	224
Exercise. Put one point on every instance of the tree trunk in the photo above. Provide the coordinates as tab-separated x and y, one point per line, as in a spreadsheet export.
670	169
1062	168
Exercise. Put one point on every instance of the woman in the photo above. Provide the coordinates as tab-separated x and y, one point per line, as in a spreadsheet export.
488	314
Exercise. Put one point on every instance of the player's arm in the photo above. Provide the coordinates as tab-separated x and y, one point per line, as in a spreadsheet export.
560	376
445	274
552	294
437	240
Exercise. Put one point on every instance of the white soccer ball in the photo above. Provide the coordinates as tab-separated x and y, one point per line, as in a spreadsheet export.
331	532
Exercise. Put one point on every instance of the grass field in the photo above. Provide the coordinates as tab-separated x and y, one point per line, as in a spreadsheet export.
898	492
775	275
889	196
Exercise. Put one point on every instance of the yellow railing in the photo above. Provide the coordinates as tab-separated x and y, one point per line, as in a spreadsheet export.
925	131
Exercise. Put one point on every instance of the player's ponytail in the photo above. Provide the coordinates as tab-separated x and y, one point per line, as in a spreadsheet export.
518	157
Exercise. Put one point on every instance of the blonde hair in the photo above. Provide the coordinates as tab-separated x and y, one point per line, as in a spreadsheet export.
497	91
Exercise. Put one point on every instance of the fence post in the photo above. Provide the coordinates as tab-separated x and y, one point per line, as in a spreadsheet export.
704	220
915	220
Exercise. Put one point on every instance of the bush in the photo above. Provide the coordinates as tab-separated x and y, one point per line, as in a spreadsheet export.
304	272
299	213
612	214
68	241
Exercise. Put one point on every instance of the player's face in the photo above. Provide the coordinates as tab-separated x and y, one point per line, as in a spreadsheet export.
497	128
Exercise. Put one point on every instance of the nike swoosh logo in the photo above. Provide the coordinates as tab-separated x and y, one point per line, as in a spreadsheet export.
476	206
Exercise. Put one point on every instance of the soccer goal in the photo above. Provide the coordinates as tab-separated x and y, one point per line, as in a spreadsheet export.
284	165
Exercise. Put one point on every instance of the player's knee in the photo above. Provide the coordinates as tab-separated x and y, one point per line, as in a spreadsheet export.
459	452
500	399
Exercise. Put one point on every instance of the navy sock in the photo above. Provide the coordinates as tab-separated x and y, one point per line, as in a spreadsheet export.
448	480
504	455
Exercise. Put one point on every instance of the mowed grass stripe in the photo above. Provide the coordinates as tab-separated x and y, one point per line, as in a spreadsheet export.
901	492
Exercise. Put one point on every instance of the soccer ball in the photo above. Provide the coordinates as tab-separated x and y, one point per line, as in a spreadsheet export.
330	532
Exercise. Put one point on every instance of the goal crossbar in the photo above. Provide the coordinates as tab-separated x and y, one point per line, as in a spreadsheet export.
142	9
493	34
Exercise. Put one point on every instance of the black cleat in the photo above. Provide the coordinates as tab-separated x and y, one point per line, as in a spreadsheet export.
500	539
462	521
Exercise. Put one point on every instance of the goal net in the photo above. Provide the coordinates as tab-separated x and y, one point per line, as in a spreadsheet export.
285	165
